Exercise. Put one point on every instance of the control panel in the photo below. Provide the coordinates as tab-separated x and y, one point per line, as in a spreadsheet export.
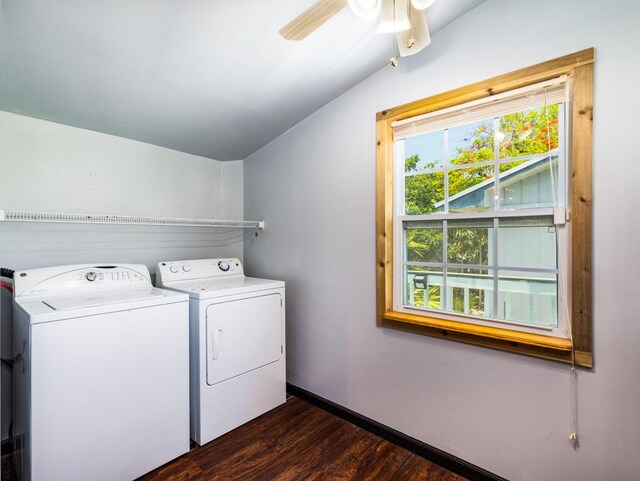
197	269
52	280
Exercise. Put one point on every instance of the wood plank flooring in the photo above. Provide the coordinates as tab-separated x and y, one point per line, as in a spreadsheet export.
299	442
294	442
7	468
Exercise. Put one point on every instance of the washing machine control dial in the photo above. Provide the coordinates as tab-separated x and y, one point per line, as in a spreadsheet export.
186	268
91	276
173	269
224	266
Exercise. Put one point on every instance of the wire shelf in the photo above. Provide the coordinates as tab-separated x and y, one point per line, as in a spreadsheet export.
67	218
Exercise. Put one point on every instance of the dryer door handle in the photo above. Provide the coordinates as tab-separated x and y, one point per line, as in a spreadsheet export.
216	351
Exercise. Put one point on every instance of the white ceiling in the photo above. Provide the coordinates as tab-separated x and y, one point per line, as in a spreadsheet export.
208	77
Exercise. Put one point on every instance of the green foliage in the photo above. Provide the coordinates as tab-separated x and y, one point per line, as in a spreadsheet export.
529	132
478	145
476	301
468	244
433	297
411	163
424	244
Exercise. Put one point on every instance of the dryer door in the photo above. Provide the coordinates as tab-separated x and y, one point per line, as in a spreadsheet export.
243	335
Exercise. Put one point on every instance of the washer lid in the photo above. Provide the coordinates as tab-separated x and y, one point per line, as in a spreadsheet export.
55	308
218	287
101	299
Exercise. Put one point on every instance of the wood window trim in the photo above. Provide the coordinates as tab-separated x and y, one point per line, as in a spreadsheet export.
579	67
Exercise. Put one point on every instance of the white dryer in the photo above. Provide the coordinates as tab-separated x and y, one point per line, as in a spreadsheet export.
101	373
237	340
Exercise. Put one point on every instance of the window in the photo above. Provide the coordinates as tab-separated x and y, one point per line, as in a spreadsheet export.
480	190
475	188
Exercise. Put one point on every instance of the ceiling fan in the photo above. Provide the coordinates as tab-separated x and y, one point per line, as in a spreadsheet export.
404	18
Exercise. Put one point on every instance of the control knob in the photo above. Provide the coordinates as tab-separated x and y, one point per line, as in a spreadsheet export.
173	269
91	276
224	266
186	268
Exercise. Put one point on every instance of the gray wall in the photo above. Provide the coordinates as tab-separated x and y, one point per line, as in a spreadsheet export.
315	186
55	168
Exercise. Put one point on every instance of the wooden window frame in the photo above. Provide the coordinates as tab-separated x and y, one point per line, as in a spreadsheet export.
578	350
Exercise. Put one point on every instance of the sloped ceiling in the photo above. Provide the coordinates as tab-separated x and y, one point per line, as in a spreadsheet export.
212	78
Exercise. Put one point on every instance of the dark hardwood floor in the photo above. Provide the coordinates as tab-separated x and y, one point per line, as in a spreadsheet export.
7	468
295	442
300	442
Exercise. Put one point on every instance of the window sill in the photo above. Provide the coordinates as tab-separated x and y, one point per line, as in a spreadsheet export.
536	345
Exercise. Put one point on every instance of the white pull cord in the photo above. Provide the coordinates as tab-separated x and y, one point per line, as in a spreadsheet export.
573	373
573	437
394	60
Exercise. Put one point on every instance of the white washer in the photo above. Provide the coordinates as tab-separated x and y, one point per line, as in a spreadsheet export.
101	373
237	340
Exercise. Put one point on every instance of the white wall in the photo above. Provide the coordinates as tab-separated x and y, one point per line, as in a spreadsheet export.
315	186
51	167
55	168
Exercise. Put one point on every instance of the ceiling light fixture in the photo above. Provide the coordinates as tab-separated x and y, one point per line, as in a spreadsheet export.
394	16
404	18
365	9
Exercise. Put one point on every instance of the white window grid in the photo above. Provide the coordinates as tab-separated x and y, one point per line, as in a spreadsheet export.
562	234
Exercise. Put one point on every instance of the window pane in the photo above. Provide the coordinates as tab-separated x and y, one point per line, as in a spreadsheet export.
423	286
424	151
529	184
424	193
471	143
469	241
470	189
527	242
529	297
423	241
470	291
532	131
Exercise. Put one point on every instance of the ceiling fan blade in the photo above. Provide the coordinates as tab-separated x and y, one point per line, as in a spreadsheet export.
312	18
